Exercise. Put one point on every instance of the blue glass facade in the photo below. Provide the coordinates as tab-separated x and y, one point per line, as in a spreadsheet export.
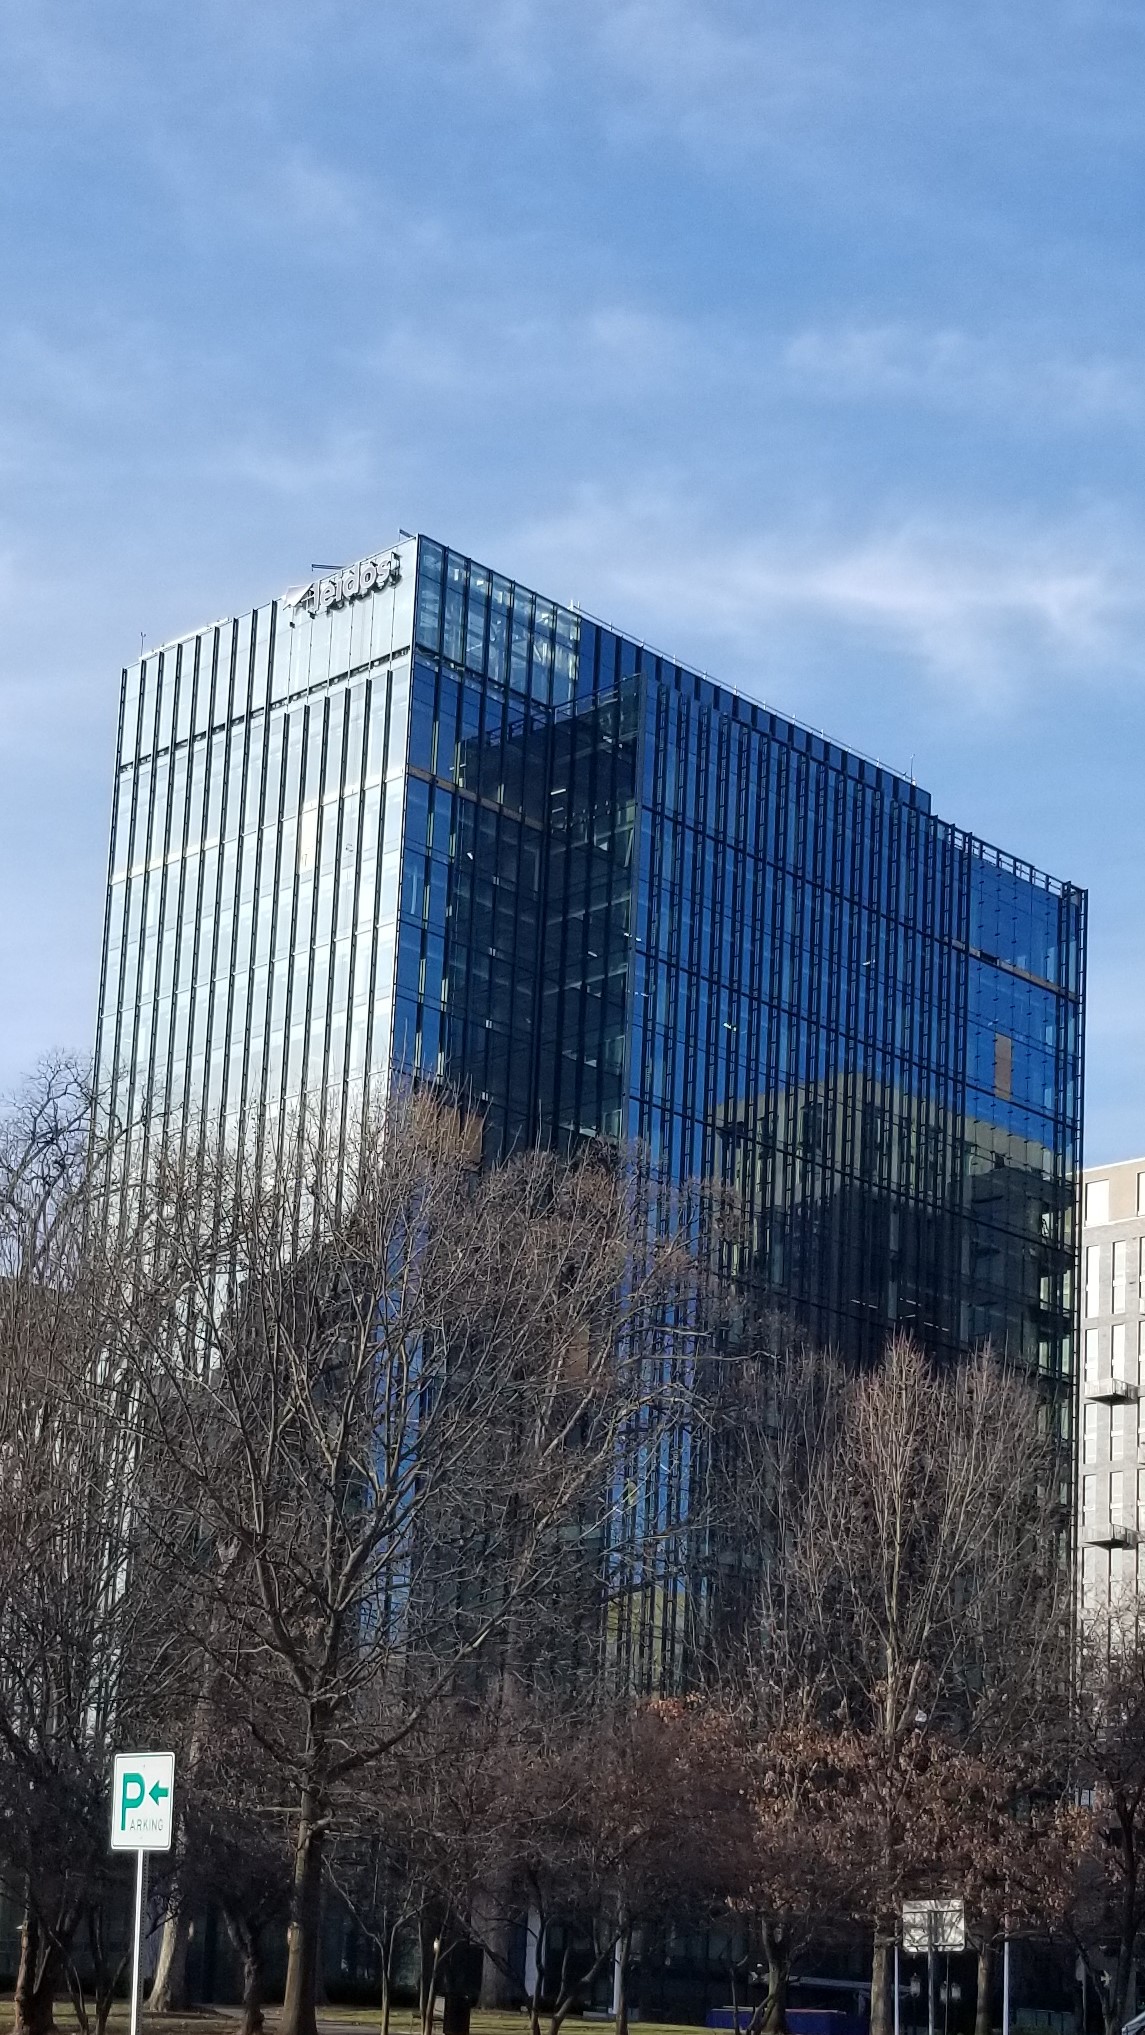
634	904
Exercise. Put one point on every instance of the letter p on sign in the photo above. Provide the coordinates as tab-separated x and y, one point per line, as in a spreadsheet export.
142	1801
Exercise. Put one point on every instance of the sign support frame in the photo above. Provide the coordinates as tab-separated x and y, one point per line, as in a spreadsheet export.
137	1947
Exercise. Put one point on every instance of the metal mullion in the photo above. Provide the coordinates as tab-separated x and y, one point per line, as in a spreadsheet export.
183	682
342	749
288	997
149	835
311	931
224	746
193	986
101	1005
256	884
351	971
371	1003
161	921
244	770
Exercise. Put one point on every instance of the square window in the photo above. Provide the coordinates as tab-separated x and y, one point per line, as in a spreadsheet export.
1097	1201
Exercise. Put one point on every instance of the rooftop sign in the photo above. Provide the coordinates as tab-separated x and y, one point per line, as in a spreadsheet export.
334	589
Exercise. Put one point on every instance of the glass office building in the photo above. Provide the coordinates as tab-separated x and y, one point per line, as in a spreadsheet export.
414	816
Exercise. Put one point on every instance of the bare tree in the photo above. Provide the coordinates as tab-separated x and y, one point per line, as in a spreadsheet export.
1105	1910
916	1583
800	1866
237	1854
623	1817
87	1643
381	1397
423	1834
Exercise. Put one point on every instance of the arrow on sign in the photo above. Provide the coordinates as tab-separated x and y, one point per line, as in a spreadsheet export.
157	1792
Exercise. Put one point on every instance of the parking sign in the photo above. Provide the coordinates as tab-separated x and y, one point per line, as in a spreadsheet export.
142	1800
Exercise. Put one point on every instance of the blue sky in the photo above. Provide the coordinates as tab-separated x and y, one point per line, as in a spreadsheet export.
803	337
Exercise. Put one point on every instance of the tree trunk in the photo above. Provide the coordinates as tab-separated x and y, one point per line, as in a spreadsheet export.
735	1999
305	1933
568	1990
623	1960
982	2010
247	1939
107	1975
169	1987
36	1980
1116	1994
880	1990
431	1930
387	1990
534	1966
251	2023
778	1949
491	1927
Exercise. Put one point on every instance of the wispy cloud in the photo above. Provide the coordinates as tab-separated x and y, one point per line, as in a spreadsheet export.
952	369
999	610
296	464
488	347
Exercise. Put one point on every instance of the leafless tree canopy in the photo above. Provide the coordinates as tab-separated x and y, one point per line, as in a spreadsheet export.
88	1652
380	1401
333	1470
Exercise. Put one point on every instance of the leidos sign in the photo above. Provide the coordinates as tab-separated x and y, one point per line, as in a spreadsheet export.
334	589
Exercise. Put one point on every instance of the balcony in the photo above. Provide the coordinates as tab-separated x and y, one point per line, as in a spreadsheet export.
1114	1533
1111	1391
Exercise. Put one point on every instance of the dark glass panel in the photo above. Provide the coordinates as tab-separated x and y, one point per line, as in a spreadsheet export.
429	562
477	616
453	633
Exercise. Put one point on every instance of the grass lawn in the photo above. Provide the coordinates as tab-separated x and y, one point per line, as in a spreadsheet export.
340	2020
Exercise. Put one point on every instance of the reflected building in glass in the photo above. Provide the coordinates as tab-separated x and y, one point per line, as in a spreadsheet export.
414	816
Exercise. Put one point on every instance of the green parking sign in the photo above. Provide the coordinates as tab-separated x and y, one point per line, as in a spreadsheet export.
142	1801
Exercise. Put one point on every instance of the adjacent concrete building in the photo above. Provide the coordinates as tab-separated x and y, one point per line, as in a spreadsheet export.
1111	1482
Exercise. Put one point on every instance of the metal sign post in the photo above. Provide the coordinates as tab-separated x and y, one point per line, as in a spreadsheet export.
898	2020
142	1819
927	1928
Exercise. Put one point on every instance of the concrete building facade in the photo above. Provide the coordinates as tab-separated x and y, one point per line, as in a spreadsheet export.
1111	1473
